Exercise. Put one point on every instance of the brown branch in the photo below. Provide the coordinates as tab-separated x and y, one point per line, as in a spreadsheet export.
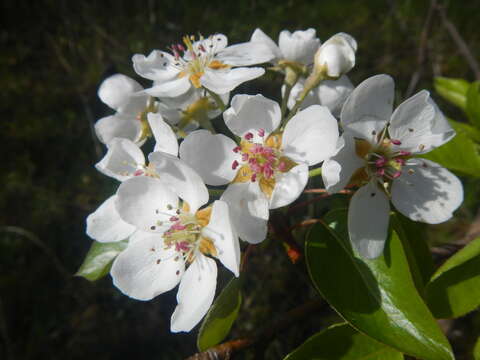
226	350
461	44
304	223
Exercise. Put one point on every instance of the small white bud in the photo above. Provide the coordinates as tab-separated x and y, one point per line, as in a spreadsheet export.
336	56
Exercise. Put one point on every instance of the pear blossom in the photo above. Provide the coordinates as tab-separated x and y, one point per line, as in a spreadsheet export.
207	62
336	56
176	243
299	46
106	224
330	93
191	110
377	155
120	93
124	159
268	169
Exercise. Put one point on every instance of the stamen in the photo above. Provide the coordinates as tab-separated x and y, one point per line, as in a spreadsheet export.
235	164
261	132
396	142
248	136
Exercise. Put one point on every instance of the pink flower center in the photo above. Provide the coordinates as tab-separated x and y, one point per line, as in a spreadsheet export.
264	161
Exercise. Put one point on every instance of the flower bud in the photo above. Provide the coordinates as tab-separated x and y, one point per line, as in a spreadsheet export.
336	56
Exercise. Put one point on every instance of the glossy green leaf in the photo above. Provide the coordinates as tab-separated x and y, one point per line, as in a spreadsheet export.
472	132
473	104
452	90
414	239
377	297
476	350
460	154
454	289
221	316
99	259
342	342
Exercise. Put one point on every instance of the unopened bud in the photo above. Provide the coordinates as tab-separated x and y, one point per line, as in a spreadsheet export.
336	56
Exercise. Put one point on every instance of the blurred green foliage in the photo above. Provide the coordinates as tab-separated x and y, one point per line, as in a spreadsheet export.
55	54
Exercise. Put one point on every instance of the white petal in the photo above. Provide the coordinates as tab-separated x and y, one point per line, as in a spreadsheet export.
210	155
249	113
337	54
180	178
259	36
338	170
195	294
223	81
289	186
299	46
249	211
334	93
165	138
146	203
330	93
171	88
114	126
311	135
139	236
368	108
117	91
213	44
427	192
145	269
220	230
368	216
105	225
172	115
157	66
122	159
245	54
419	124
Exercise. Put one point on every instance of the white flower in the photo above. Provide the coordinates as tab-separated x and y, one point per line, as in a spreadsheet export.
121	93
269	168
124	159
299	46
164	168
377	155
330	93
336	56
208	63
193	109
175	235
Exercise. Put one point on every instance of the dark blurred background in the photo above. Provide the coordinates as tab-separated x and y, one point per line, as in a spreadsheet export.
54	55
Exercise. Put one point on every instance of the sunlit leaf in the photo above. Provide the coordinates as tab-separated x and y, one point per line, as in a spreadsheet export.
473	104
452	90
476	350
377	297
455	287
460	154
342	342
99	259
221	316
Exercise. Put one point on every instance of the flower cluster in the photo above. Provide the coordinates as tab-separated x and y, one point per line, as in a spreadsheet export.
162	205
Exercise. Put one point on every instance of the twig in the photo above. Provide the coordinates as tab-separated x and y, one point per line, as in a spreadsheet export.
324	191
246	254
226	350
461	44
304	223
421	50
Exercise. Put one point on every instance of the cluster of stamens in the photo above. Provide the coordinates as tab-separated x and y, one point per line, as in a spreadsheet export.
385	164
183	234
262	160
192	60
